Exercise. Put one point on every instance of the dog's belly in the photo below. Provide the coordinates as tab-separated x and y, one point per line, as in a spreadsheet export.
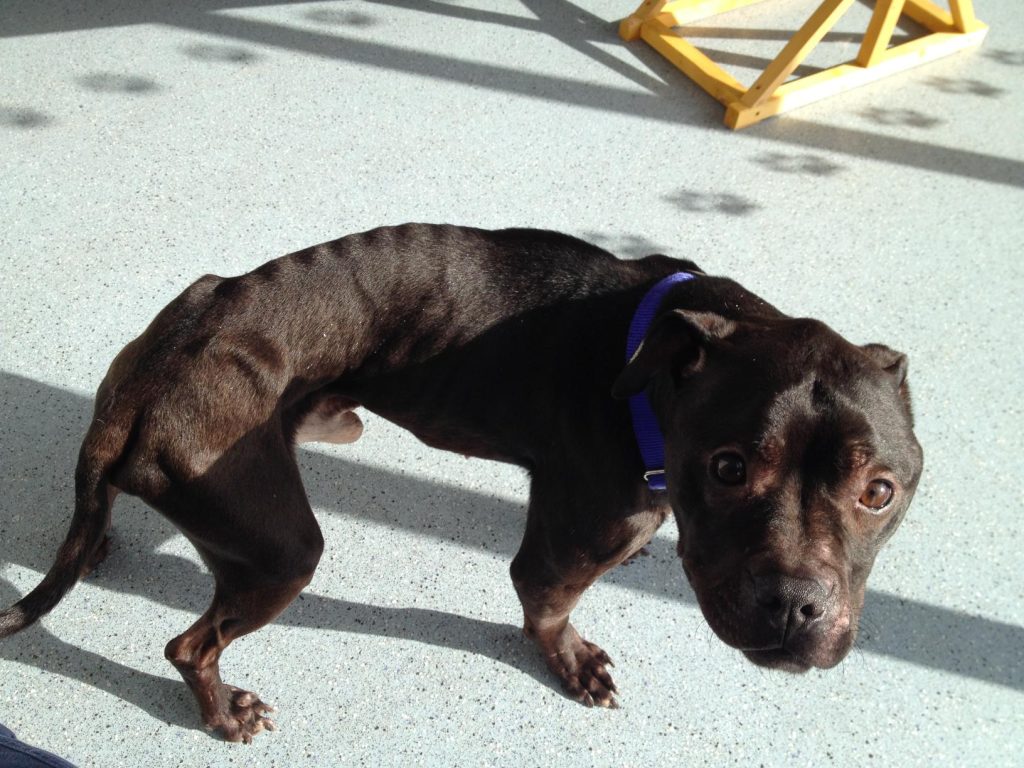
332	419
446	414
461	442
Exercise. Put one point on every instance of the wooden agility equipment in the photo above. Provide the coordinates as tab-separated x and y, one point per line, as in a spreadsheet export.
771	94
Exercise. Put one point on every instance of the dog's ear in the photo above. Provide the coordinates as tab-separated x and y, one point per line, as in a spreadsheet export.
675	342
691	266
893	363
889	360
680	265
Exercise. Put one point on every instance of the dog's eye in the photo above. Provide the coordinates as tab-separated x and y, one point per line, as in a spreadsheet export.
729	468
877	495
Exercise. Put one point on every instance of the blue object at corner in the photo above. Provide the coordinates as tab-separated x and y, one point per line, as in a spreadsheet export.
18	754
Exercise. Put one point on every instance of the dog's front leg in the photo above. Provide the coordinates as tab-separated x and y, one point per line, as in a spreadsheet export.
563	552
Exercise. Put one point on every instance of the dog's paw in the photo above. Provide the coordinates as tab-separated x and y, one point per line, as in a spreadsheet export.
582	668
242	717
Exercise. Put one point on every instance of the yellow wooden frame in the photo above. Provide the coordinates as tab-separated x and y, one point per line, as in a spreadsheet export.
949	31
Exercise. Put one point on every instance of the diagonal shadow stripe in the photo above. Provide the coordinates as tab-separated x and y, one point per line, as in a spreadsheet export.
872	146
41	427
423	63
896	151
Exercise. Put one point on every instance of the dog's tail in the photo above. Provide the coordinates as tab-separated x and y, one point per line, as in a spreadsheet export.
103	446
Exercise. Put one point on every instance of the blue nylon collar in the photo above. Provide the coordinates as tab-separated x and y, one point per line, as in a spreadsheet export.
645	426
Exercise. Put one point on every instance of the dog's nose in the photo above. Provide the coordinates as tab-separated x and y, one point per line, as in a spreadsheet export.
791	604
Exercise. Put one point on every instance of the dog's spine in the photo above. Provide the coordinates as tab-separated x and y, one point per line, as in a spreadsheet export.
102	447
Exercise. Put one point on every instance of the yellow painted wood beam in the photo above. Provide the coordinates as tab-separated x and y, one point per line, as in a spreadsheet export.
962	12
795	51
879	31
689	11
629	27
847	76
676	12
929	15
692	62
951	31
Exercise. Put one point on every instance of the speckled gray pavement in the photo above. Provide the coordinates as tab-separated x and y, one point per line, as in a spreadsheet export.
144	143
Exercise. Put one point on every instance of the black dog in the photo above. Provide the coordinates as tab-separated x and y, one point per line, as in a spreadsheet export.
788	454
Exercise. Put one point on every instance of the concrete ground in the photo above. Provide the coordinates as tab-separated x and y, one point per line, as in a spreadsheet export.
144	143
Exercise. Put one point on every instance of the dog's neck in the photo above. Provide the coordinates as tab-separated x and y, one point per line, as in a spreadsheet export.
648	434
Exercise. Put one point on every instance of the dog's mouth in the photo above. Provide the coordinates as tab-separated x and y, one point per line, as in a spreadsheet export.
767	647
768	641
777	658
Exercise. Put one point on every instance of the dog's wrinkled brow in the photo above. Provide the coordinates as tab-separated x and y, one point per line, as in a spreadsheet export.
817	425
770	449
858	455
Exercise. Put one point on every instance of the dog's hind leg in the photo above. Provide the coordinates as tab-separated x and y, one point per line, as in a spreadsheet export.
103	548
250	520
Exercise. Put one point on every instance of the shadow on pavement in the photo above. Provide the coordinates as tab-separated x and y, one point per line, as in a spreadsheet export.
40	431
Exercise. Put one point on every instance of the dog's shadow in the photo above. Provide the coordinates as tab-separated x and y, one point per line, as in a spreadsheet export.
164	698
167	698
42	431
